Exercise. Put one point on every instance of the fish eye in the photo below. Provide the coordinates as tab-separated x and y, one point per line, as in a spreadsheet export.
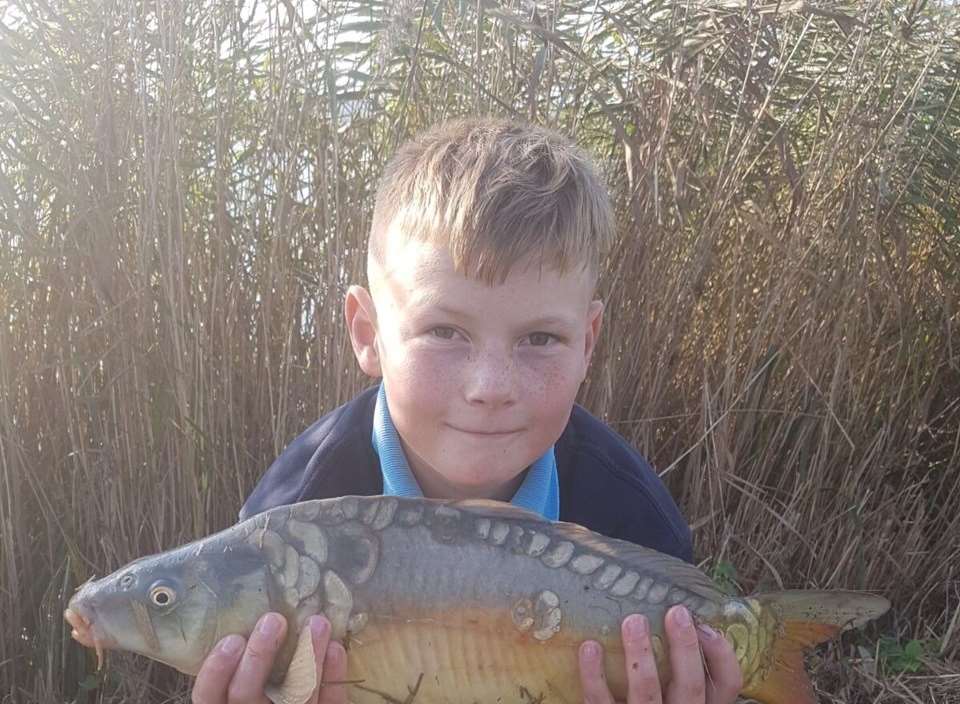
127	580
162	595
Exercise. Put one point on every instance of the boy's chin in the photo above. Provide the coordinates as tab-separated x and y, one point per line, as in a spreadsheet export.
458	467
477	481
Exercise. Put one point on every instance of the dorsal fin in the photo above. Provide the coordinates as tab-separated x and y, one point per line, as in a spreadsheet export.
625	553
649	560
498	509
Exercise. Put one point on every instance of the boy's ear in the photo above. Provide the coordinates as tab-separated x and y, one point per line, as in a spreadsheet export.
362	323
594	321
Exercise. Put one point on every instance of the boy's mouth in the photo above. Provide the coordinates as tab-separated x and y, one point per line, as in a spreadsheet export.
486	432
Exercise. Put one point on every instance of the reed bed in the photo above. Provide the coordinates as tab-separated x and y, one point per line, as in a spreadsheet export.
185	192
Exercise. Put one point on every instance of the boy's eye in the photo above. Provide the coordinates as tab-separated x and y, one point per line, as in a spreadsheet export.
540	339
443	332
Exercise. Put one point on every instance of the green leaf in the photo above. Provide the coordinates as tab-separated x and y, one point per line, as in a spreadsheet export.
724	574
90	682
913	649
898	658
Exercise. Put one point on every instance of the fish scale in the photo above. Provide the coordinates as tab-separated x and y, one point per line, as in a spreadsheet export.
434	617
459	602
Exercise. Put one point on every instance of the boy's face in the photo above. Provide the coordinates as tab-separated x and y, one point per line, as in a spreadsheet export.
480	379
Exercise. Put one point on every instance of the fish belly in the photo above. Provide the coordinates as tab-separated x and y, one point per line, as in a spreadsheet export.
448	661
476	623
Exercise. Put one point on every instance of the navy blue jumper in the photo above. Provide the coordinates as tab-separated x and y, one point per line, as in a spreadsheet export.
605	485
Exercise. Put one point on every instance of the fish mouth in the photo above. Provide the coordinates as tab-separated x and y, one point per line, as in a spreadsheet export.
82	618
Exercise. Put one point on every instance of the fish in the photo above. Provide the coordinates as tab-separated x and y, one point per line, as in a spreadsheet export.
445	602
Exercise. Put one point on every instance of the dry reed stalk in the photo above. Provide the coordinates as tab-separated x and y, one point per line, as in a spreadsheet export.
185	191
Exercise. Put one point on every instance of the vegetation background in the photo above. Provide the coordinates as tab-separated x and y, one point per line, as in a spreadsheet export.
185	191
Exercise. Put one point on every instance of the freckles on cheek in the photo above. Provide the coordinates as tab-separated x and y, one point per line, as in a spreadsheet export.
550	394
425	380
552	383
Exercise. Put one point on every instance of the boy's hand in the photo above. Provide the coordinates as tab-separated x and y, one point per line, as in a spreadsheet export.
236	671
689	683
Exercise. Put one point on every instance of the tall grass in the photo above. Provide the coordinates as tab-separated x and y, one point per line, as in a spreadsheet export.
185	190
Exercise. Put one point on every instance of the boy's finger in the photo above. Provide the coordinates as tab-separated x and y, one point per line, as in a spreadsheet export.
248	682
687	680
216	671
725	679
320	632
643	683
334	671
593	681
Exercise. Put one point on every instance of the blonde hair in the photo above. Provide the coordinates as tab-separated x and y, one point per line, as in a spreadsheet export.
495	192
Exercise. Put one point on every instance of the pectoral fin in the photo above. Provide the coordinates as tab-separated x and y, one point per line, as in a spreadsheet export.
301	677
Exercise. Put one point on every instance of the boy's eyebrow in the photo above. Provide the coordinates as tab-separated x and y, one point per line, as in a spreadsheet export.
430	305
549	320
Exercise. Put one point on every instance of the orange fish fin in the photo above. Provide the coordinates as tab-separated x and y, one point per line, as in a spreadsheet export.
787	681
808	618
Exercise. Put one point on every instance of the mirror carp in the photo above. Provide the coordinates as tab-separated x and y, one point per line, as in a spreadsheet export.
444	602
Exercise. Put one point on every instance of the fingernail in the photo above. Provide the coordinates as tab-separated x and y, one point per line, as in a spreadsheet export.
270	625
335	652
319	626
637	625
231	645
707	632
591	649
681	617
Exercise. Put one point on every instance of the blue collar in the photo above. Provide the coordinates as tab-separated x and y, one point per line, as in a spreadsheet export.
539	492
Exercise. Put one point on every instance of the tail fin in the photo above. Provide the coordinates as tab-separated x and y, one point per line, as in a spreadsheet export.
808	618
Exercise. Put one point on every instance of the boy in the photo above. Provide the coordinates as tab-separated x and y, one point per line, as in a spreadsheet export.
481	321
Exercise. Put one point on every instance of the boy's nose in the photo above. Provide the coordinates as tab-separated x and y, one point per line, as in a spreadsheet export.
490	381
